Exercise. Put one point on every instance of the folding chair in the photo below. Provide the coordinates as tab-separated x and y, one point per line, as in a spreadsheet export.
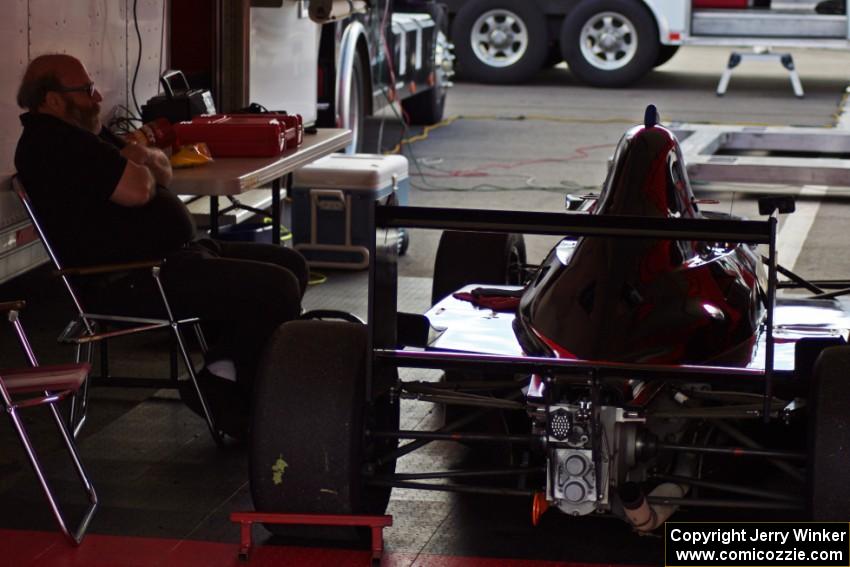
45	385
85	329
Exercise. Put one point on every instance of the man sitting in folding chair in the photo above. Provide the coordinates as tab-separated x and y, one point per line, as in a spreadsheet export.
101	200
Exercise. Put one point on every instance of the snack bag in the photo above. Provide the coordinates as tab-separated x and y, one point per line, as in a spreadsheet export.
191	155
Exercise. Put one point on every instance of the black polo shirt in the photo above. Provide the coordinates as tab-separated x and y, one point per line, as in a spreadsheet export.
70	174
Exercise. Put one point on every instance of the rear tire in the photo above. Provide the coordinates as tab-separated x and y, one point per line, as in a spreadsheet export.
609	43
829	436
477	257
499	41
307	446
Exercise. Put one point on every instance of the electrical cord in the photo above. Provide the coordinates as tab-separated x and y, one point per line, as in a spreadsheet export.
316	278
568	185
138	57
486	170
123	121
161	44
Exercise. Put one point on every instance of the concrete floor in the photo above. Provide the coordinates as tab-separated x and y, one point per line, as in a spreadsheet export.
523	146
510	147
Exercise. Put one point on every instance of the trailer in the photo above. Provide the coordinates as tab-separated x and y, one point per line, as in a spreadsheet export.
274	53
612	43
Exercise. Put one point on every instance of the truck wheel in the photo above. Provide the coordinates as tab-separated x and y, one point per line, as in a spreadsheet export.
609	43
477	257
354	117
829	436
403	241
307	446
499	41
426	108
665	54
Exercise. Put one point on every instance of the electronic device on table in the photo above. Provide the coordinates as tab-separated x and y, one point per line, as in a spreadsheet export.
178	102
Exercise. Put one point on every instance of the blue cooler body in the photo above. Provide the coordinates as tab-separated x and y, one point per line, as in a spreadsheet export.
330	206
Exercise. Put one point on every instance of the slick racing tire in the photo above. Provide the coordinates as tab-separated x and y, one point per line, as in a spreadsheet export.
829	436
499	41
609	43
477	257
307	448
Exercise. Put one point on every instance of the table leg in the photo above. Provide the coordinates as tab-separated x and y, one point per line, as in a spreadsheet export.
213	216
276	211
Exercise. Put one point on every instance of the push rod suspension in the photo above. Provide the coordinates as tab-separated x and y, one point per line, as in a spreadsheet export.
449	427
716	503
455	436
463	400
738	411
727	487
748	441
463	386
796	280
821	284
734	451
453	488
462	474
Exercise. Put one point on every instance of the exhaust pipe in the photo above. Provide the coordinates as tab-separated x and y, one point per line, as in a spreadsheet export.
640	513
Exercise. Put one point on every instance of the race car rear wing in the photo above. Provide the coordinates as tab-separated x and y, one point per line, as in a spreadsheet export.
383	283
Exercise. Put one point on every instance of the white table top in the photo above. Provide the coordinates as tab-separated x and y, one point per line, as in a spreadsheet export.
232	176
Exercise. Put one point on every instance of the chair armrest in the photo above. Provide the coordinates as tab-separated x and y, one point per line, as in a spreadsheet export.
7	306
108	268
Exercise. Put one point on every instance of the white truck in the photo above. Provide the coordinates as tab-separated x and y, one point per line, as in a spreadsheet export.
612	43
269	52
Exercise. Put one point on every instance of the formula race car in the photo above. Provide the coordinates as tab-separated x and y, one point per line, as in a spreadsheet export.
645	355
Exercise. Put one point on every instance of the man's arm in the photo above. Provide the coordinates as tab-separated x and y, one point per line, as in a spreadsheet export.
136	186
152	158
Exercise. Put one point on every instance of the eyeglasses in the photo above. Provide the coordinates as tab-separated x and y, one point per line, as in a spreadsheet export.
88	88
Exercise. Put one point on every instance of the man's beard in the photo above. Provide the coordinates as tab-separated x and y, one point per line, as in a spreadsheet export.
85	118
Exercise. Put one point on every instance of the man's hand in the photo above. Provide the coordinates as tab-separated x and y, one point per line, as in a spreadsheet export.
136	153
154	159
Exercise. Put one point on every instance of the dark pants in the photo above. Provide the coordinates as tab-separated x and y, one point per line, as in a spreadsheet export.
242	291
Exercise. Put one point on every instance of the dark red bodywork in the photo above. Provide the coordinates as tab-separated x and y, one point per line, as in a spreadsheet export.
644	300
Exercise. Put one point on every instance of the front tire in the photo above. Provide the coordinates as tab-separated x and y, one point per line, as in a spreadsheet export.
477	257
499	41
609	43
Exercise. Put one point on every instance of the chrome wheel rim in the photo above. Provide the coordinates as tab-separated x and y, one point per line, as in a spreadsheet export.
609	41
443	64
354	102
499	38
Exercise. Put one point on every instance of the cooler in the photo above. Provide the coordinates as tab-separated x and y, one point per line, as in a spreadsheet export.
330	209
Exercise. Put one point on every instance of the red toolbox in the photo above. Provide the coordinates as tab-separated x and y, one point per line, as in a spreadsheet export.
242	135
293	124
294	127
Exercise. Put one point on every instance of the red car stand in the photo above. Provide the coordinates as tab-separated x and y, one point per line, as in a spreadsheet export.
246	521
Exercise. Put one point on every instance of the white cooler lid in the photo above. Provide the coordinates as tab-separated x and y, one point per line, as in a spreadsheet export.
355	171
